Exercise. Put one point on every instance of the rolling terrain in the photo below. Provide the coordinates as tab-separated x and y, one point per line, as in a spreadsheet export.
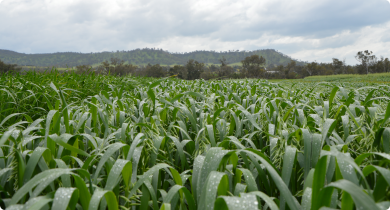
139	57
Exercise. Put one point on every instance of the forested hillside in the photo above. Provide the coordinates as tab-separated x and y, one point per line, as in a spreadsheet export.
139	57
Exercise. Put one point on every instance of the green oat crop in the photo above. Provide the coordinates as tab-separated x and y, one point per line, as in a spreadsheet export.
70	141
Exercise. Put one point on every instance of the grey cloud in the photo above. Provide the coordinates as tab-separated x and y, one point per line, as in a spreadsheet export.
321	20
83	12
38	26
385	38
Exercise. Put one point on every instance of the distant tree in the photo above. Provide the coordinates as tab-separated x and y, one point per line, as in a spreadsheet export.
116	62
124	69
213	68
223	61
224	69
194	69
106	65
117	67
299	71
84	69
178	70
4	68
350	70
366	58
337	66
253	65
374	66
207	74
326	69
386	65
344	68
311	68
290	70
280	70
383	64
360	69
154	71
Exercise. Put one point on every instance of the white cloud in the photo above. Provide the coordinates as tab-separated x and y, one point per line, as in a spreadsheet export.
304	29
373	38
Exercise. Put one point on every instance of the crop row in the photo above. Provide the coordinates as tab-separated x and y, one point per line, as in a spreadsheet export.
134	143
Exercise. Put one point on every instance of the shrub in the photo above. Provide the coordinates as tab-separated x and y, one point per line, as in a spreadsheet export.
5	68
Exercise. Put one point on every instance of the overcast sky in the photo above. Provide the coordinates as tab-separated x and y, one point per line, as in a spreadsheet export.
304	29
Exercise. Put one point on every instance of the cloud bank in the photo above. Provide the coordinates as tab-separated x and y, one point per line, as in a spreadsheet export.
304	29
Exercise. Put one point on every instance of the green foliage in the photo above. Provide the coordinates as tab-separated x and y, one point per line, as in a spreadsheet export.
366	58
86	141
154	71
194	69
4	68
179	71
116	67
139	57
354	78
252	65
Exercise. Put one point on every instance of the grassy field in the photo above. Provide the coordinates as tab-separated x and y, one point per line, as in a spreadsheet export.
371	78
73	141
43	68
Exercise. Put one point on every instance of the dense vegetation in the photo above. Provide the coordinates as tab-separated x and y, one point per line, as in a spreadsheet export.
253	66
267	64
137	57
4	68
93	141
368	63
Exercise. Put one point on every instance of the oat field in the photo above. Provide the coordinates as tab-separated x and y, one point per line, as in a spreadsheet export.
70	141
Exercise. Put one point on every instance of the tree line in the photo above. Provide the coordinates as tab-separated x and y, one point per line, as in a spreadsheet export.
253	66
4	68
368	63
138	57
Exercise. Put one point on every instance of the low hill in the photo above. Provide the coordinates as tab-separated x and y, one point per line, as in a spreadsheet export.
139	57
